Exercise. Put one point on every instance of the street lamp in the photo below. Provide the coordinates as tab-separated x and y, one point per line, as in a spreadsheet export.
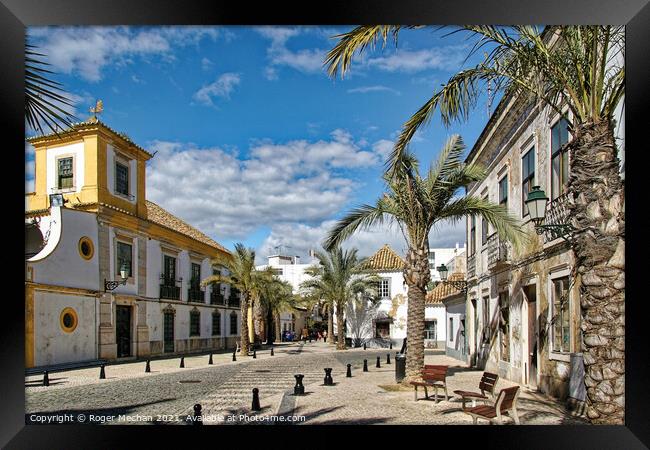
461	285
536	203
124	275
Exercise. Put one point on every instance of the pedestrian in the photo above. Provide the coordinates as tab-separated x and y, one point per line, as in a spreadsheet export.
324	335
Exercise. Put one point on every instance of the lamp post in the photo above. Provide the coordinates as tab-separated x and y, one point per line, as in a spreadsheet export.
124	275
461	285
536	203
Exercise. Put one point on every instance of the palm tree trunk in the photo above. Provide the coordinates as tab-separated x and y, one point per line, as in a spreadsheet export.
416	275
330	325
278	329
258	320
243	335
598	214
340	333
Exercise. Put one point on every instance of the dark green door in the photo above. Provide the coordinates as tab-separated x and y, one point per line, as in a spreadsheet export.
168	332
123	331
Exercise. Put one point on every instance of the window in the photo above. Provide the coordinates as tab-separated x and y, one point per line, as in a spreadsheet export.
486	319
86	248
559	158
504	326
65	173
472	235
430	330
68	320
195	323
124	256
451	329
432	260
384	288
233	323
121	178
195	277
503	191
484	231
561	323
216	324
527	177
169	270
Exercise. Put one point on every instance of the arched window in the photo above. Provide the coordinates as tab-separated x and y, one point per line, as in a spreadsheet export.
195	322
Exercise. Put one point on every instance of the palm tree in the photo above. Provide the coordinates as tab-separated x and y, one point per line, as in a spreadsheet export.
338	279
583	68
45	101
244	277
276	297
418	203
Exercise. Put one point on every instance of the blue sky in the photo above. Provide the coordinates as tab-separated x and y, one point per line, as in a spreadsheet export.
256	144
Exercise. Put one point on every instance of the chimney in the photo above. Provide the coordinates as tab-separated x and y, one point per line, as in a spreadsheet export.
296	259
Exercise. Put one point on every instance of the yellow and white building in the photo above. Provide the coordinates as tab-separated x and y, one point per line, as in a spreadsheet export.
105	224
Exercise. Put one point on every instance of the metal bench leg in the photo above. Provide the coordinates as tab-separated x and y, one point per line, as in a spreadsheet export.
446	394
436	389
515	416
474	418
426	393
416	393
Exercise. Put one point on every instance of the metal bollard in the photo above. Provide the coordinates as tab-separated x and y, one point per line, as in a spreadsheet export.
256	400
102	373
365	365
210	360
198	418
299	389
254	354
271	351
391	345
388	358
46	379
364	345
182	362
234	356
348	374
378	362
328	377
147	368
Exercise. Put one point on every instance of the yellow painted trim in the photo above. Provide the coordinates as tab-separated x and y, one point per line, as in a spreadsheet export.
87	240
62	289
29	326
75	319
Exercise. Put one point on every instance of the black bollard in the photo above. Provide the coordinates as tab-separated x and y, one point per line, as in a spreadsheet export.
271	351
348	374
299	389
365	365
102	373
254	354
256	400
182	362
378	363
364	345
328	377
391	345
210	360
198	419
388	358
147	368
234	356
46	379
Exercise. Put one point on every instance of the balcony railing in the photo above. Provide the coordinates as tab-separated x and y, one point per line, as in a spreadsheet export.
170	292
195	295
217	298
471	266
498	252
557	212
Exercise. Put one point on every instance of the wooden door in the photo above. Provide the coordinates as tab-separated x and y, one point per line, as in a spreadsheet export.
123	330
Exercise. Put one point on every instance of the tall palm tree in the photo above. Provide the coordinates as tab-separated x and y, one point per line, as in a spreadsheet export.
276	297
338	279
45	102
417	203
583	68
244	277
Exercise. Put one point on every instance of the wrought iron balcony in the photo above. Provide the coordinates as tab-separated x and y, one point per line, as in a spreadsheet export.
498	252
471	266
557	214
216	298
170	292
194	294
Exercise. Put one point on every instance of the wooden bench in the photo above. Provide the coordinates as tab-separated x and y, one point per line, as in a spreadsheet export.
506	405
486	385
432	376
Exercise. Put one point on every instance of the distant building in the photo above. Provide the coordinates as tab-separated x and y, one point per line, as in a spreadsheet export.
438	256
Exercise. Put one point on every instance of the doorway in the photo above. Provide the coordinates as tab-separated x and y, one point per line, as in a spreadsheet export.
168	332
383	330
530	292
123	330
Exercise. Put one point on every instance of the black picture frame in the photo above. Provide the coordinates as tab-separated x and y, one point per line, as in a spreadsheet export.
15	15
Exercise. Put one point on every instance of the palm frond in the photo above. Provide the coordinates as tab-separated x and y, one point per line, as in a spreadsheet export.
359	218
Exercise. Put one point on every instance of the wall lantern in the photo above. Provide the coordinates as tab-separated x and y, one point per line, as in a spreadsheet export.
461	285
124	275
537	203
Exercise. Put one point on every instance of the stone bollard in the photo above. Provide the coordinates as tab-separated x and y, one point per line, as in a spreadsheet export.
328	377
210	360
182	362
299	389
348	374
102	373
271	351
388	358
365	365
364	345
256	400
254	354
198	418
46	379
234	356
378	362
147	368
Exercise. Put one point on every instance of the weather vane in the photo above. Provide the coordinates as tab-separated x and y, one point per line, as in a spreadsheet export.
97	109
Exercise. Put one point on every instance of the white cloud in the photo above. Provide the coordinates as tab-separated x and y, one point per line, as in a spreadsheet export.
229	197
303	60
383	147
221	87
206	64
411	61
29	167
87	50
378	88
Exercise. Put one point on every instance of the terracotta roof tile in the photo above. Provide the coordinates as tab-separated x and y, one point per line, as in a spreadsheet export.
444	290
385	259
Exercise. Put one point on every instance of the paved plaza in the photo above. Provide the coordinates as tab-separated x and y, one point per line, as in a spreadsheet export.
224	390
